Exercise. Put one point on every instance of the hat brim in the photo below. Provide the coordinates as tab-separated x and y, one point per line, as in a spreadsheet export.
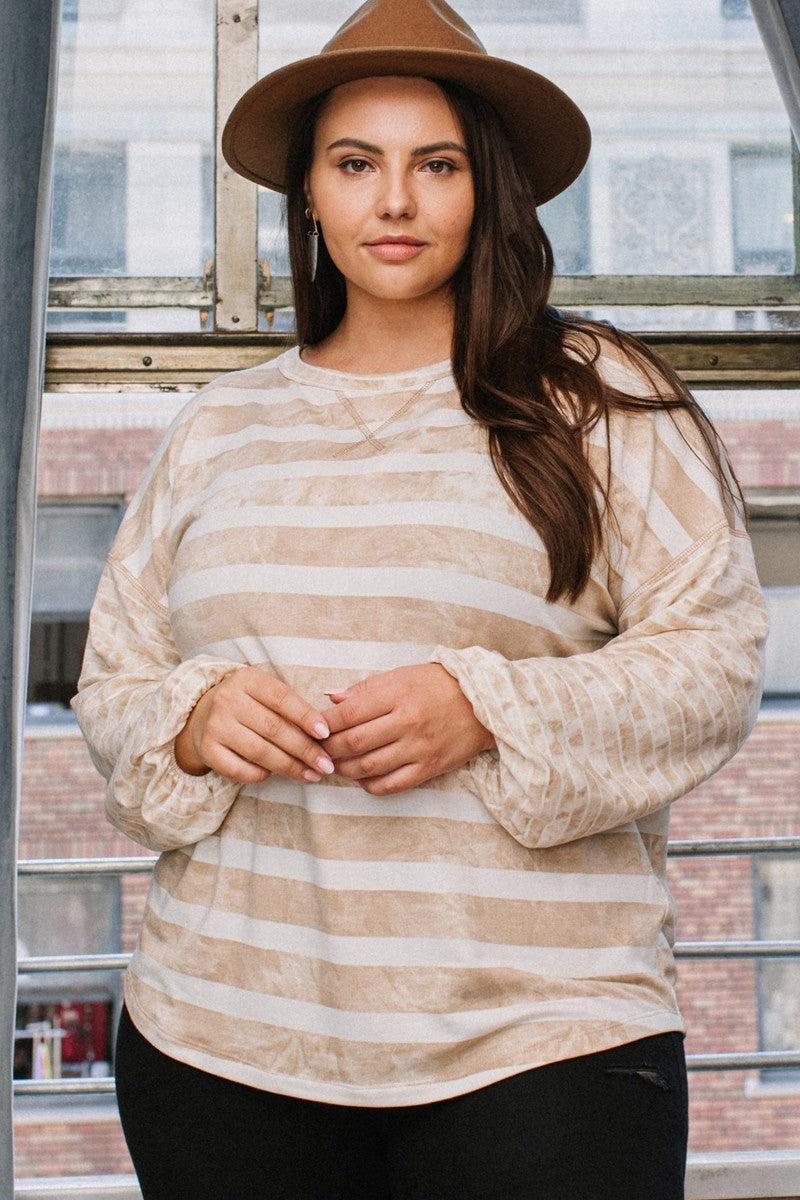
548	130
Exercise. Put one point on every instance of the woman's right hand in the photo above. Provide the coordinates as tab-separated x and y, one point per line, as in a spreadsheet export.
249	726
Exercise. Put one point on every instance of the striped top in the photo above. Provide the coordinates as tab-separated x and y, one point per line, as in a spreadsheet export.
321	942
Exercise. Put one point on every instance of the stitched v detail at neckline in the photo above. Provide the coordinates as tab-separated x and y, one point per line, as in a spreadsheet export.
368	434
351	390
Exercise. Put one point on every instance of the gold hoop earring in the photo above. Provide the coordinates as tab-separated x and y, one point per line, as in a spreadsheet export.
313	245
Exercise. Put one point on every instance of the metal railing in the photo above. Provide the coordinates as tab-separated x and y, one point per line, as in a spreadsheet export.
774	1174
734	1061
742	1175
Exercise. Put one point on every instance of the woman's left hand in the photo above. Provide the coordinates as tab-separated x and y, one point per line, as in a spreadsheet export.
399	728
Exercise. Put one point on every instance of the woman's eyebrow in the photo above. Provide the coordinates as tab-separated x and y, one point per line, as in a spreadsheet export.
418	150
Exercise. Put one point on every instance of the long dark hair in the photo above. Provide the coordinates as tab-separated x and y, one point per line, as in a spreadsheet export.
509	351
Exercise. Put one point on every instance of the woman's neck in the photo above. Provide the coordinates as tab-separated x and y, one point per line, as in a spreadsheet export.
375	340
361	362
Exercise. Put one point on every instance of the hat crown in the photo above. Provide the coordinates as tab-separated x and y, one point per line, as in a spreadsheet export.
411	24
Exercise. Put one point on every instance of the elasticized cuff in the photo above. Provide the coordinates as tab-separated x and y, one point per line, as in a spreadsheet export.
149	795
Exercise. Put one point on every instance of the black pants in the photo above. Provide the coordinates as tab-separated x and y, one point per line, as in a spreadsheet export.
613	1124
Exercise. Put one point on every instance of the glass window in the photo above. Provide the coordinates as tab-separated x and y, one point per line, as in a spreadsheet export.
736	10
89	195
72	543
133	184
63	915
777	892
565	219
541	12
88	229
782	674
54	665
96	10
776	546
761	194
63	1022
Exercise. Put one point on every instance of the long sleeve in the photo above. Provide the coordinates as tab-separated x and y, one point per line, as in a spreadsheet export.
134	692
593	740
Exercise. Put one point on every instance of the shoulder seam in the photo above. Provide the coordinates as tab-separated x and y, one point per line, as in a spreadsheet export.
673	562
115	562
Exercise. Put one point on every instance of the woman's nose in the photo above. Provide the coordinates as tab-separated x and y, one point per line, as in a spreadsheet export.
396	192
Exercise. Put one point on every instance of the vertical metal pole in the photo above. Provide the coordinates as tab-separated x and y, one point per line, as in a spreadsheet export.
236	199
28	88
796	203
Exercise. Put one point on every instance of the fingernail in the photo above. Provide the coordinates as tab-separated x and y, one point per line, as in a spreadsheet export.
321	729
325	764
311	776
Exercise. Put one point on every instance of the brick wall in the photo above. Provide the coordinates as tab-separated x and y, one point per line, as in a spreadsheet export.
93	462
764	453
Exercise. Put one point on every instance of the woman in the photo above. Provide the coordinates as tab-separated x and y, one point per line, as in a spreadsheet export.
434	961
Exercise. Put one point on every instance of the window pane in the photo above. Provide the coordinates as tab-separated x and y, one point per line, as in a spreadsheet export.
68	916
72	541
736	9
776	545
543	12
763	233
666	93
130	320
133	178
778	906
54	664
89	190
695	318
566	221
782	674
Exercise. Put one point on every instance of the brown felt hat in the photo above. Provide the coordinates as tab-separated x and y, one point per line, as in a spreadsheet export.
550	134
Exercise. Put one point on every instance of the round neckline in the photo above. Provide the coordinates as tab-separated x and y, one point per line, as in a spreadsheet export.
294	367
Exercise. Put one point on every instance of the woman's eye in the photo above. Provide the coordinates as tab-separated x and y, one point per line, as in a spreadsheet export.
346	163
433	161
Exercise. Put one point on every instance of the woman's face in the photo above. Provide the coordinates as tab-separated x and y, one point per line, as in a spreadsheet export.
376	183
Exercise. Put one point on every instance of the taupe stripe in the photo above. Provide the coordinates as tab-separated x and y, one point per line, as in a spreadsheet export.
413	585
508	564
387	988
353	913
364	618
430	839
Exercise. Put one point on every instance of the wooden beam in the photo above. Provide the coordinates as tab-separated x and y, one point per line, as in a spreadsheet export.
236	208
180	361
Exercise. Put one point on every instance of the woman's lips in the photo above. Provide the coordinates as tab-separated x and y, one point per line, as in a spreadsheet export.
394	251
